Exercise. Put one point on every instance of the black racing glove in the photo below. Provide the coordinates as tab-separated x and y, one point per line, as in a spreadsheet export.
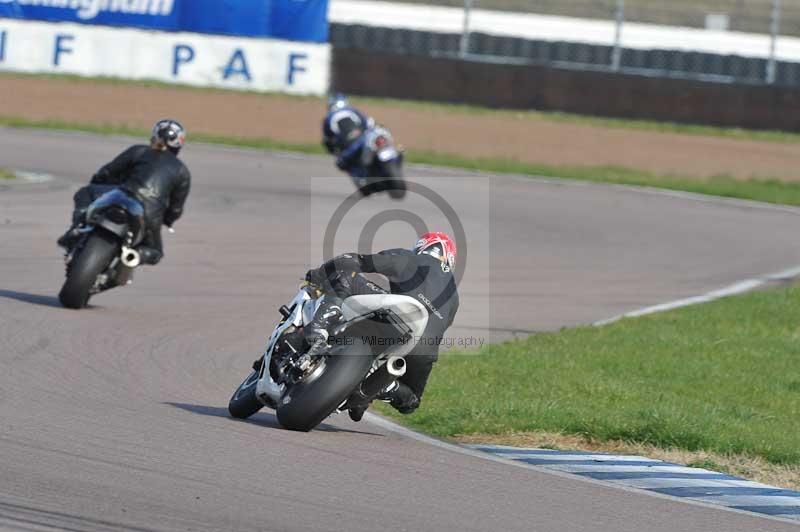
330	145
317	277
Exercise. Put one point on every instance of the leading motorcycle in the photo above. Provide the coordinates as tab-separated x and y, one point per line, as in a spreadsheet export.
104	256
364	356
380	164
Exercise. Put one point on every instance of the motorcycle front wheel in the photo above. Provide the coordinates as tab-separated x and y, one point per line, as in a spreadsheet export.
244	402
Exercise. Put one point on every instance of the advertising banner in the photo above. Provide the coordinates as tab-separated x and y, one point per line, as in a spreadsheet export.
186	58
297	20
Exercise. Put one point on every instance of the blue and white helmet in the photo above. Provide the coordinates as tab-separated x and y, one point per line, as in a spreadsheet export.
170	133
337	101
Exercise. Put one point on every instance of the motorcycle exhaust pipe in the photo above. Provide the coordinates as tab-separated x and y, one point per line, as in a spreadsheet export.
396	366
385	375
130	257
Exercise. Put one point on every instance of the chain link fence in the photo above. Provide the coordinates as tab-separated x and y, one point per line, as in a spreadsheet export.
751	41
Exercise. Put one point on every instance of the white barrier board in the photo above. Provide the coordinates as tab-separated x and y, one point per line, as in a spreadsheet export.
188	58
557	28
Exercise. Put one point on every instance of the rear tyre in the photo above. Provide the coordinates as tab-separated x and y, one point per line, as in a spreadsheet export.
396	185
91	261
311	402
244	402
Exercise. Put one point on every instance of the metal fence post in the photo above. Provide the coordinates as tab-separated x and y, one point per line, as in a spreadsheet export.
774	29
616	55
464	46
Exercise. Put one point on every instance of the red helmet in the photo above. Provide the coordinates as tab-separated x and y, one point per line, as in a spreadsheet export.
438	245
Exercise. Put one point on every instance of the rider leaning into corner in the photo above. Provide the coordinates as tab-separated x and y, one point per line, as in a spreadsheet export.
424	273
151	173
342	127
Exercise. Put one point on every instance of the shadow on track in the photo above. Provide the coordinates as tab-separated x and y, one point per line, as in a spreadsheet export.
264	419
33	299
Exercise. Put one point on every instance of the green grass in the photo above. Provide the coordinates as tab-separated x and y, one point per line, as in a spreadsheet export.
759	189
711	465
766	190
7	174
721	377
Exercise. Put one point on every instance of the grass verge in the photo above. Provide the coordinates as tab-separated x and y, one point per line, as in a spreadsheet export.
552	116
5	173
767	190
720	378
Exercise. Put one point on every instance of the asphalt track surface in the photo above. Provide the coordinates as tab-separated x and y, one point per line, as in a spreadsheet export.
114	417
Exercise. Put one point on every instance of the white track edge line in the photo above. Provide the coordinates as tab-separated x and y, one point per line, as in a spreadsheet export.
736	288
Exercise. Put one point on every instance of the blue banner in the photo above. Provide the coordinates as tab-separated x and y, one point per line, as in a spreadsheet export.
296	20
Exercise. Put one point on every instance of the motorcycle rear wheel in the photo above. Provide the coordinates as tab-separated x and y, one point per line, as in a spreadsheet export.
396	185
306	404
91	261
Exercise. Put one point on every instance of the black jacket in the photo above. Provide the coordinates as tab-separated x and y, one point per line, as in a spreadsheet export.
341	127
420	276
158	178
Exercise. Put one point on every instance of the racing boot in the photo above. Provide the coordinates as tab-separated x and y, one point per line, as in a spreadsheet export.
70	238
149	255
397	394
401	397
356	413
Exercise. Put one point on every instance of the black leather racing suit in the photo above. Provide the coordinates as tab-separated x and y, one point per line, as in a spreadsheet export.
157	178
342	132
420	276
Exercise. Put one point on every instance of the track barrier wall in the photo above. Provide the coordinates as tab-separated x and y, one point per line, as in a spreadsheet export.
500	85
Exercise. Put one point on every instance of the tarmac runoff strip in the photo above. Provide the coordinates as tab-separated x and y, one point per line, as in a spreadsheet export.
660	477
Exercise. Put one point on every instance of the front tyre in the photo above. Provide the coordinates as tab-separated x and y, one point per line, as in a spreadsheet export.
244	402
306	404
97	253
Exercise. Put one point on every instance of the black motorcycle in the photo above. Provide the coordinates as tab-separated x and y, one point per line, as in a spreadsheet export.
104	256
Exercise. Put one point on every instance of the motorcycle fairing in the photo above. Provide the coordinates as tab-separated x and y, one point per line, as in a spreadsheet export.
267	390
132	220
408	309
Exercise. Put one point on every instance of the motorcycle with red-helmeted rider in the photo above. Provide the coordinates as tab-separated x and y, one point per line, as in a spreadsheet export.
343	341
